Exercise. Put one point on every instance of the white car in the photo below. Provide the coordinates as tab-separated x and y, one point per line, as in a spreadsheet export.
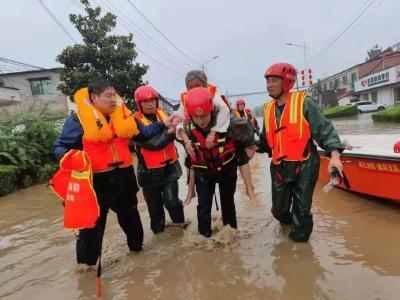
366	106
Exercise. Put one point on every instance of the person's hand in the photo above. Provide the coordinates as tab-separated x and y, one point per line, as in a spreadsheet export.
187	201
250	151
210	140
188	147
172	122
396	147
335	162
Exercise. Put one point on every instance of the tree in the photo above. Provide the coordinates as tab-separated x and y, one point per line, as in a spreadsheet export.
374	52
101	55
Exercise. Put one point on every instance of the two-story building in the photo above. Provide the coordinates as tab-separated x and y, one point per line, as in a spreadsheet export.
337	89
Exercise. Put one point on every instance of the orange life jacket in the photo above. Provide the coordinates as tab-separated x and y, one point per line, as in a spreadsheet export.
157	158
106	143
237	114
211	88
288	141
211	159
73	183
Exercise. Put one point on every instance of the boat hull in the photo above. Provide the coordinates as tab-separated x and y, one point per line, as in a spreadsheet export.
370	175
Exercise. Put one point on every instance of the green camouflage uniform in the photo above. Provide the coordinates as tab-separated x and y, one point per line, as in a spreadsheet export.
293	182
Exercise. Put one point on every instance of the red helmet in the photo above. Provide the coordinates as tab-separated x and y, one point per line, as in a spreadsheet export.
239	102
285	71
143	93
199	102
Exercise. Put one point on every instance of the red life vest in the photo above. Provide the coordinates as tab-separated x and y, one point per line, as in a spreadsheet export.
289	140
73	183
211	88
212	159
157	158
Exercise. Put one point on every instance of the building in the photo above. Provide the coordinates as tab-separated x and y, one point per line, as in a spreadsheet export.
8	95
380	87
336	89
343	84
34	85
27	86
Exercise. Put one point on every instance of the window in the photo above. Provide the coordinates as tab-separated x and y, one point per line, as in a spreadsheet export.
374	96
365	97
331	85
344	79
325	87
353	77
41	86
337	83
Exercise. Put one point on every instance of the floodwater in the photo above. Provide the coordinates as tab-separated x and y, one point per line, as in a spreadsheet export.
353	252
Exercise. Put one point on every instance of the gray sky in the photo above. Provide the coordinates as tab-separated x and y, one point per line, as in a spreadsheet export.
247	36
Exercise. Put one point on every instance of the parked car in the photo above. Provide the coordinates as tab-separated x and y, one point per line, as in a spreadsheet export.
366	106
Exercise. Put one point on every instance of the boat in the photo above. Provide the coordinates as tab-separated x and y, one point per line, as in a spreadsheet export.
370	165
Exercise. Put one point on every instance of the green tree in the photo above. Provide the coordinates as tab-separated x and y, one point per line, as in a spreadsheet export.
101	55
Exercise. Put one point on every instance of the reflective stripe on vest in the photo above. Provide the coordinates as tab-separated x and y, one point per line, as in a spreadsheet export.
212	159
211	88
237	114
290	140
157	158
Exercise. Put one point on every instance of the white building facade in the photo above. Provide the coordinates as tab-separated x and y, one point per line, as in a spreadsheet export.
381	87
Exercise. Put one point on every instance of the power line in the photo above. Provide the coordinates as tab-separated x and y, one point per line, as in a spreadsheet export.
56	20
247	94
162	34
146	39
158	62
143	52
18	63
357	25
354	19
142	33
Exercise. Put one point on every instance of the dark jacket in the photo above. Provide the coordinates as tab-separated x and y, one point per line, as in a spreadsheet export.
148	177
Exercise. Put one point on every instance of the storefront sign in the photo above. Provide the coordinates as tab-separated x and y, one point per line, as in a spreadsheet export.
385	77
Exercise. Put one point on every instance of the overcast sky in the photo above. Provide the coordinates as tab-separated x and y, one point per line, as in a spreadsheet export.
247	36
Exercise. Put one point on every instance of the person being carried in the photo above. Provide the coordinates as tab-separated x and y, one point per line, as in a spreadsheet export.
197	78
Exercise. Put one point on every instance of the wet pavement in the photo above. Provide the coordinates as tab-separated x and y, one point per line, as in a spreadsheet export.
353	252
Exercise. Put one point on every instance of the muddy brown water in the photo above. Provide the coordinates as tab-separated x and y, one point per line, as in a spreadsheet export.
354	251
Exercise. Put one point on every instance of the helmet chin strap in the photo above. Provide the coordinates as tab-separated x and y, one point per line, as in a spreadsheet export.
277	97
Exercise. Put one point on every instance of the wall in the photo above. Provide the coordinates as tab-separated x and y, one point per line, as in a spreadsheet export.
9	96
386	95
